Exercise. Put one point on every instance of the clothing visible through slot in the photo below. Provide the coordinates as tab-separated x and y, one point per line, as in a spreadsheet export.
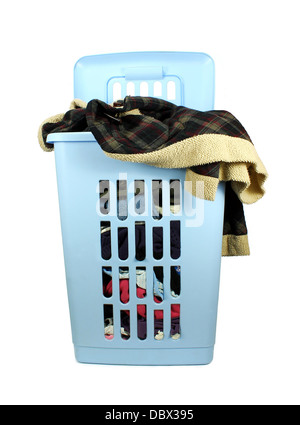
140	240
141	309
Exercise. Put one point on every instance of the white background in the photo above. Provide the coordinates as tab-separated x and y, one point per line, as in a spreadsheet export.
255	45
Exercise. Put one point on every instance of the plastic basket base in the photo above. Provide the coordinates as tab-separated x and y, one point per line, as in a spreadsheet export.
145	357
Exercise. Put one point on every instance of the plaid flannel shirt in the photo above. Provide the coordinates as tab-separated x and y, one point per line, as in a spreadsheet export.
144	125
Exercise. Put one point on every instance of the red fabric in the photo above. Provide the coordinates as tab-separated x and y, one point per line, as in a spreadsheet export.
107	290
141	293
124	290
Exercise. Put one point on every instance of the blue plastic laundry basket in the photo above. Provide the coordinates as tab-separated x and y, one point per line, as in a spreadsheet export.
99	194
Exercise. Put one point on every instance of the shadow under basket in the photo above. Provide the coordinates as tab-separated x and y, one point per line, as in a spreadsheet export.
142	255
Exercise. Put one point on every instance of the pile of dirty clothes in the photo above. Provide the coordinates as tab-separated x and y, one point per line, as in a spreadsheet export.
141	292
